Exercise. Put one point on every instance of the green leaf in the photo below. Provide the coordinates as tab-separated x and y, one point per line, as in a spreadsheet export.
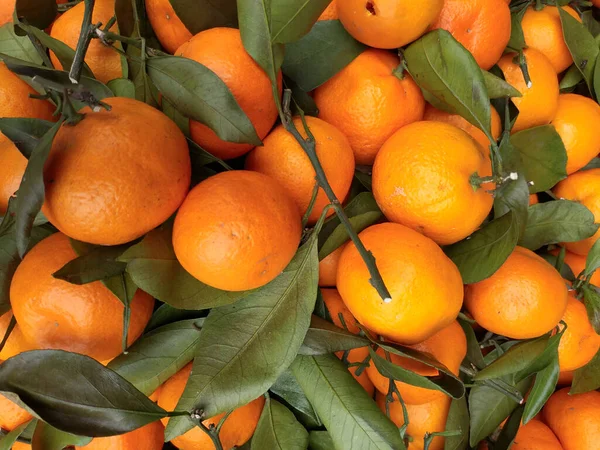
176	116
438	63
200	15
581	44
201	157
321	54
154	268
25	133
513	196
98	264
544	359
301	101
292	19
122	87
287	388
587	17
39	13
158	355
509	430
497	87
87	399
324	337
592	262
591	299
7	441
47	437
480	255
571	78
474	355
544	156
231	366
352	418
17	46
587	378
517	38
458	420
166	314
543	388
201	95
557	221
320	440
278	429
145	90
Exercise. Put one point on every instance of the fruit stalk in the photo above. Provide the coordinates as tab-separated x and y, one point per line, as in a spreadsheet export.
85	38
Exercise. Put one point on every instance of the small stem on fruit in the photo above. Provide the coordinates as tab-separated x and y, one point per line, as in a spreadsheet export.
429	436
522	62
85	37
311	205
538	5
11	326
497	384
212	431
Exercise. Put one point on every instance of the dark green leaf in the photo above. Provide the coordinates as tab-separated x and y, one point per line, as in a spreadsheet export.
517	39
321	54
201	95
199	15
122	87
544	359
320	440
474	355
590	22
166	314
301	101
19	47
513	195
509	429
543	388
145	90
47	437
7	441
323	337
587	378
458	420
292	19
591	298
176	116
352	418
592	262
99	264
278	429
596	83
88	399
365	179
201	157
497	87
287	388
39	13
557	221
570	79
24	133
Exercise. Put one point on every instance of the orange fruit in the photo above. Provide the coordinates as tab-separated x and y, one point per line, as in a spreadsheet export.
169	29
582	187
21	446
543	32
535	435
55	314
432	113
448	346
539	101
481	26
328	267
577	264
387	23
221	50
358	355
236	431
579	343
574	419
330	12
425	285
565	378
368	103
149	437
15	102
424	418
422	179
533	199
282	158
577	121
12	415
106	64
524	299
108	181
224	231
16	342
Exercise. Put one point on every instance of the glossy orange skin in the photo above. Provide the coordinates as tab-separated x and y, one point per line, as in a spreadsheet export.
149	437
282	158
105	62
21	446
237	230
579	343
538	103
221	50
524	299
482	26
424	418
582	187
432	113
387	23
543	32
12	415
421	179
169	29
367	103
330	12
448	346
15	102
16	342
328	267
535	435
108	181
577	121
55	314
574	419
236	431
425	286
533	199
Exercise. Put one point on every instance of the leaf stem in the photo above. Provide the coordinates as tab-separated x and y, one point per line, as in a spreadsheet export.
85	38
212	431
311	205
9	329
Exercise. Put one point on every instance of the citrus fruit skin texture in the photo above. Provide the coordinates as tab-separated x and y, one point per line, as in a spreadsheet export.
55	314
108	181
12	415
330	12
432	113
15	102
482	26
422	179
368	103
577	121
543	32
524	299
424	418
533	199
284	160
21	446
582	187
16	342
579	343
221	50
387	23
149	437
237	230
105	62
539	102
448	346
535	435
236	431
169	29
425	286
328	267
574	419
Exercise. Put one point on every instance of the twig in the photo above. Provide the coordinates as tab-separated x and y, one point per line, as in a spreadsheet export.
85	37
212	431
311	205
